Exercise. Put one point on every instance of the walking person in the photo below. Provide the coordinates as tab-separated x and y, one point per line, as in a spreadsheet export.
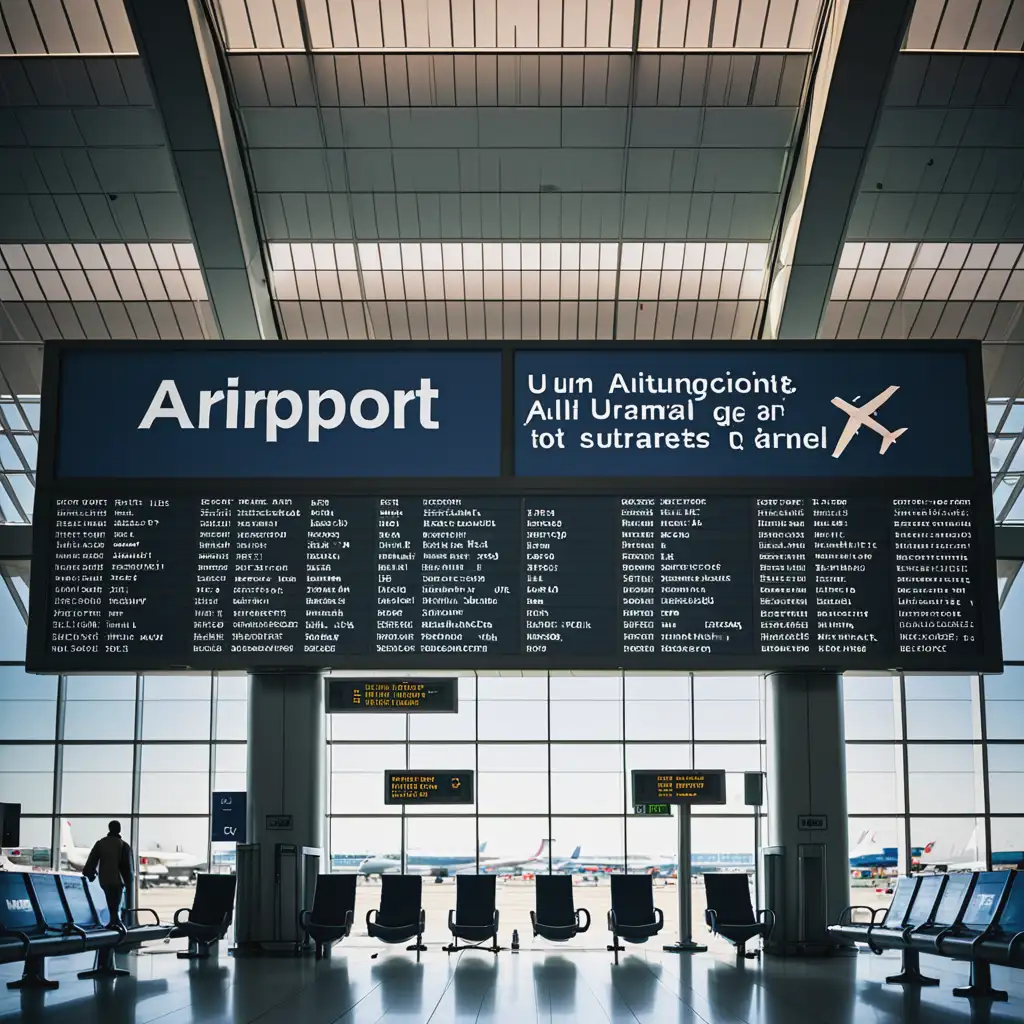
112	856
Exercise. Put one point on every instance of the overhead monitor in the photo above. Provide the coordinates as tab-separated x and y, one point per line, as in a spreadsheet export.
693	786
746	506
426	787
408	694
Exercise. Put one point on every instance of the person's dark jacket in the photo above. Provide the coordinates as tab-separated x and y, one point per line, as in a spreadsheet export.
113	856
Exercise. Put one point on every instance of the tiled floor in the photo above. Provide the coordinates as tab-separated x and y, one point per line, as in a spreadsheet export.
532	986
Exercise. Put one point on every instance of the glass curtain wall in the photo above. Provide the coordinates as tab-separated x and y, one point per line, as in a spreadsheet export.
935	767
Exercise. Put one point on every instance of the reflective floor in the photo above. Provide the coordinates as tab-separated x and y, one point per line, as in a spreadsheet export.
537	985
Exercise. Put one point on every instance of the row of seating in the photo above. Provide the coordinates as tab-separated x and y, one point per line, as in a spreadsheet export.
44	915
977	917
475	917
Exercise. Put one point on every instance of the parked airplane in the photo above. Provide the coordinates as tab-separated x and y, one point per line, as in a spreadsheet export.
952	856
863	416
439	866
174	867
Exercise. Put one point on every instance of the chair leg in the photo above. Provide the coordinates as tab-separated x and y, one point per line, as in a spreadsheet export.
911	972
981	984
615	947
33	976
105	966
418	947
197	950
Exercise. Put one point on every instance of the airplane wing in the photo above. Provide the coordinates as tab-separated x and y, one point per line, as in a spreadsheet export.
851	428
879	400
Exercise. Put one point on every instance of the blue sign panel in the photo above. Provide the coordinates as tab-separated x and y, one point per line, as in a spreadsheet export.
227	818
258	413
742	413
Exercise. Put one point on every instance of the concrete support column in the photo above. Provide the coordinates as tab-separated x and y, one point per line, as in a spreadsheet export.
806	807
284	774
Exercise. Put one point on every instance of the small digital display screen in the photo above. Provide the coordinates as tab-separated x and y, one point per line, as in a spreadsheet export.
407	695
679	787
424	787
653	810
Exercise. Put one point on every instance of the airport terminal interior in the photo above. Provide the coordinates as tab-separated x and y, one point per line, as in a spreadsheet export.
472	210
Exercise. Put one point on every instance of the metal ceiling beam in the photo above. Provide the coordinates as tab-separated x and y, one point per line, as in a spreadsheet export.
859	43
182	62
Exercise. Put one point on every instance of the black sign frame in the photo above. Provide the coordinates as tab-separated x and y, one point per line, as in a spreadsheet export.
447	793
441	696
977	488
717	774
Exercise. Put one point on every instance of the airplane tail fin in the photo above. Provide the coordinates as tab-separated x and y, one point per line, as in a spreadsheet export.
890	439
542	850
575	854
483	846
67	842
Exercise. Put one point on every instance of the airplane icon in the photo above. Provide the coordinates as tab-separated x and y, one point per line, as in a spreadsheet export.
863	416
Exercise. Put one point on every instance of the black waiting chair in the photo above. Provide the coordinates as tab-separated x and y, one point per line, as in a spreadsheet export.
1004	944
730	912
209	917
633	916
556	917
977	922
334	906
401	916
956	894
475	918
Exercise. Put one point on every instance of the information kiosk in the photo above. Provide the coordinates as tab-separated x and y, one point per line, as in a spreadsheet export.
682	788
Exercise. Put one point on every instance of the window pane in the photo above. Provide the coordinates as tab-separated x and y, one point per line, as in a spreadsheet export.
353	840
97	779
1007	842
1004	704
100	708
949	842
874	773
26	777
587	778
12	626
939	707
586	707
1006	777
871	707
944	780
171	850
175	779
512	779
357	777
512	708
726	708
232	706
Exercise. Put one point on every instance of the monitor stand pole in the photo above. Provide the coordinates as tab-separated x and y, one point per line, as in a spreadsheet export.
685	943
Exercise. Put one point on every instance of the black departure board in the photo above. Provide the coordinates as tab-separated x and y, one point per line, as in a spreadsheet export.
173	579
679	787
408	695
425	787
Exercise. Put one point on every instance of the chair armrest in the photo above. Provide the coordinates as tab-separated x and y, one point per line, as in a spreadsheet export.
582	927
1016	941
533	922
178	913
144	910
20	936
451	919
766	914
711	920
74	929
944	934
372	912
304	918
349	918
846	911
659	916
423	919
497	915
611	920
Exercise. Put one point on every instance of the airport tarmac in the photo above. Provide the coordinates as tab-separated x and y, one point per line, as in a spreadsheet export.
515	900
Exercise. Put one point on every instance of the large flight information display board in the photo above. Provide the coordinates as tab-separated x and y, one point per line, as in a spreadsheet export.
551	535
211	581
